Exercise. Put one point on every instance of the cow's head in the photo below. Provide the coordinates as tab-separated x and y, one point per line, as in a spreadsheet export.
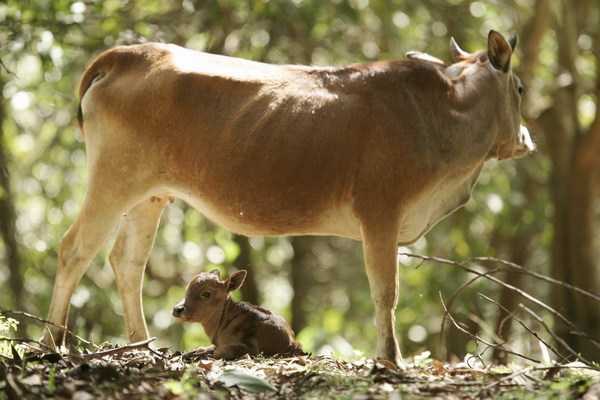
490	71
512	139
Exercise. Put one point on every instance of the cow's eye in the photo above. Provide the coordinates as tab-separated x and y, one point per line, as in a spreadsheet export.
206	294
521	90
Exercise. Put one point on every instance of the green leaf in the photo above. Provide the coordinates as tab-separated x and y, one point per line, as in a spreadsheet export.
243	380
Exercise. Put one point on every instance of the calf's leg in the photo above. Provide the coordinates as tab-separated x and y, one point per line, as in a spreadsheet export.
234	351
128	259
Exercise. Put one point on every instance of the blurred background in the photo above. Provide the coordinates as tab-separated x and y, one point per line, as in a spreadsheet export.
540	212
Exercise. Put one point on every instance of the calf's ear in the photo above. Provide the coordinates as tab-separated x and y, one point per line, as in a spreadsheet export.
235	281
216	272
499	51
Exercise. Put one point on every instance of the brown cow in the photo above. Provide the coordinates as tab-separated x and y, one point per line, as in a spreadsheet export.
377	152
234	328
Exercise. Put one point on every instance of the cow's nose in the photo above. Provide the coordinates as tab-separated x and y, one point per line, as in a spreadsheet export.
177	310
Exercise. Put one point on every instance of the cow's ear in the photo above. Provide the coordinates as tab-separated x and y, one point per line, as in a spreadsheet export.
513	40
234	282
499	51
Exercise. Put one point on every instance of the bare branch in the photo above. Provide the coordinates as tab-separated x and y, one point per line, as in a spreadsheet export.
481	340
2	65
517	268
533	333
554	336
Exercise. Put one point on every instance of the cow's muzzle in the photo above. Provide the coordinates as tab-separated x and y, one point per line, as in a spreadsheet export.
525	144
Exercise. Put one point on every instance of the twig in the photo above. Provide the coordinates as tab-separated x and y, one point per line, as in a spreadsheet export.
554	336
533	333
526	372
519	269
122	349
456	293
6	68
487	328
513	375
481	340
18	340
36	318
513	288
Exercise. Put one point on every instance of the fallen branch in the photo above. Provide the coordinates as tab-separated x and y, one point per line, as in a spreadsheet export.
122	349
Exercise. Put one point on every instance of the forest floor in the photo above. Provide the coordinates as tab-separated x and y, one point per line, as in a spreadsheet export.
141	372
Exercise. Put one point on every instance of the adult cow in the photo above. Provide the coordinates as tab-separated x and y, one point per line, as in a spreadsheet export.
377	152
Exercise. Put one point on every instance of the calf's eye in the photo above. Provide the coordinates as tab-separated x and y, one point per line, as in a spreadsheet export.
206	294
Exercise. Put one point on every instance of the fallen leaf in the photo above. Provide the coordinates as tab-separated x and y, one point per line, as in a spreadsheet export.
388	364
32	380
245	381
206	365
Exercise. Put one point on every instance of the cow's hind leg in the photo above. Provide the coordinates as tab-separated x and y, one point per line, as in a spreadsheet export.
128	259
380	251
99	215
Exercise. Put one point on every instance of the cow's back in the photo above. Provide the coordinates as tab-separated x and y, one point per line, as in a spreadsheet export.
265	149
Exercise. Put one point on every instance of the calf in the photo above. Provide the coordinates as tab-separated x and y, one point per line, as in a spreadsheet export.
377	152
234	328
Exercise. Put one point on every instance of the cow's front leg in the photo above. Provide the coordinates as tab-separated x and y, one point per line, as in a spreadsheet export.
380	251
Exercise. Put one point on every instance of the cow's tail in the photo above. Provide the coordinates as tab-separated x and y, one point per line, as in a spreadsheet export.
96	71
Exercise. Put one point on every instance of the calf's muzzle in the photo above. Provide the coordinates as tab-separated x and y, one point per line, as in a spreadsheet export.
178	310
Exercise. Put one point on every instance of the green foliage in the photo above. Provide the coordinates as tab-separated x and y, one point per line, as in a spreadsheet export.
185	387
6	326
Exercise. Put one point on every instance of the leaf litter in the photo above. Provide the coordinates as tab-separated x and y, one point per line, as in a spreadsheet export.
140	372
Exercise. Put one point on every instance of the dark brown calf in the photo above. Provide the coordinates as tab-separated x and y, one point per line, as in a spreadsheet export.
234	328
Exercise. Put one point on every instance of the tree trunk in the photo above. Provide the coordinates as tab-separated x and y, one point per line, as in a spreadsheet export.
7	225
249	288
519	247
302	264
519	251
574	152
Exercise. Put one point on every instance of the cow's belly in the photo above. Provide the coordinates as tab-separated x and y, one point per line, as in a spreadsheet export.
339	220
336	221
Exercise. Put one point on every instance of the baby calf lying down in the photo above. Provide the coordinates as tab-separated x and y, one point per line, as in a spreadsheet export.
234	328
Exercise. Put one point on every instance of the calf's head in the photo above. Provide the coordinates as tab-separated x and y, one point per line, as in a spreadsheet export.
206	295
